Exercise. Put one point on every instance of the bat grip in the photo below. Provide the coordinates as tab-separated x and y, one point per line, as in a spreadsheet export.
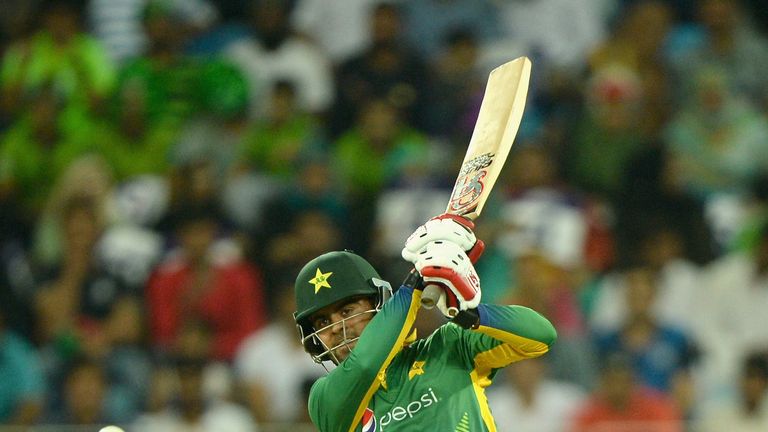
467	318
429	296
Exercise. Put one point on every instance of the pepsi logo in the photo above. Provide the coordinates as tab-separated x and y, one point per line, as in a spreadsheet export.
369	421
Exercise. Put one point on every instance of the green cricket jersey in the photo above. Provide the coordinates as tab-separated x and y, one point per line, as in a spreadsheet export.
391	383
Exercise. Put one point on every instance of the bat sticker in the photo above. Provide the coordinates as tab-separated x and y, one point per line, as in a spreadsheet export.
467	190
477	163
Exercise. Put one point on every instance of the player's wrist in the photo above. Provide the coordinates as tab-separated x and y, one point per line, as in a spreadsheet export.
414	281
482	315
469	319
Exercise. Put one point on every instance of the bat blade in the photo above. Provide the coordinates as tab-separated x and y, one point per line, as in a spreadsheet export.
497	123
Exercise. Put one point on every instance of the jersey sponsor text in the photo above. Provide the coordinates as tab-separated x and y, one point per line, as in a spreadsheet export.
399	413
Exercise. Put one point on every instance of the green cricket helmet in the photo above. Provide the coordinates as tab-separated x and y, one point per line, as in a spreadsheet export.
329	279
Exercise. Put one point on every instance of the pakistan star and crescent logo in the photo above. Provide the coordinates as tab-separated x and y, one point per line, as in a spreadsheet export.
416	369
320	280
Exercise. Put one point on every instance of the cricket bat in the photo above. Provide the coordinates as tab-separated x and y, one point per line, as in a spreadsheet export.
497	123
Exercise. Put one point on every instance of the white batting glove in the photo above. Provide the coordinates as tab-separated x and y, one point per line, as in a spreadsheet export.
445	264
446	227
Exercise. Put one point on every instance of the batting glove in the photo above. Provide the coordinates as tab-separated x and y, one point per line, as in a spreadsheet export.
446	265
446	227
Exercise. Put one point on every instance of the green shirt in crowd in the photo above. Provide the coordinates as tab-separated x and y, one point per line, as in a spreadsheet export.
367	170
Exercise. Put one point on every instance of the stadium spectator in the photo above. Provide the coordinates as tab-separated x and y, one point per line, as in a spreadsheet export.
729	45
428	22
276	143
657	249
746	409
531	401
371	154
546	285
606	134
22	395
657	350
273	392
320	21
732	309
309	230
176	86
272	52
654	201
59	52
191	409
39	147
84	395
717	139
204	280
640	37
455	86
130	140
80	297
536	28
620	402
388	69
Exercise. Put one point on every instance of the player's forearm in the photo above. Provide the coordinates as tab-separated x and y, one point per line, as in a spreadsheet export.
386	333
515	324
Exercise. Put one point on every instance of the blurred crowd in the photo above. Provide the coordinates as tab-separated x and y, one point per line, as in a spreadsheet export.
167	166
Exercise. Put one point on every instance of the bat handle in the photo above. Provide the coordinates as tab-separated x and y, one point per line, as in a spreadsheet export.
466	318
430	296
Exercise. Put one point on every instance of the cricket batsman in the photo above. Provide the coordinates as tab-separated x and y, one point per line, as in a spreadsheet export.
387	380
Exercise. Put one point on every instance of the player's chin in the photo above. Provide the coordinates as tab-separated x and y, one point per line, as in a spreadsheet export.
343	351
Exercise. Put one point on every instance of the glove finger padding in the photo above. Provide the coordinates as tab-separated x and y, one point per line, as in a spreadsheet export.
447	264
450	228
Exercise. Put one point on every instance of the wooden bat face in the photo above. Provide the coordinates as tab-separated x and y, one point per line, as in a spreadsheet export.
497	124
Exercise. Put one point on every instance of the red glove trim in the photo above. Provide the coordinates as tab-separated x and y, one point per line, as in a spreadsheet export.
479	247
466	286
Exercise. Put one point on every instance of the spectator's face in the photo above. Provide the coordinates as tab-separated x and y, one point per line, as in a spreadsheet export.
62	23
201	180
133	111
84	393
191	388
385	24
283	105
712	91
44	111
194	341
269	16
379	122
641	291
532	167
164	33
754	387
465	52
316	231
316	178
81	229
662	247
616	98
196	237
617	385
718	15
648	26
